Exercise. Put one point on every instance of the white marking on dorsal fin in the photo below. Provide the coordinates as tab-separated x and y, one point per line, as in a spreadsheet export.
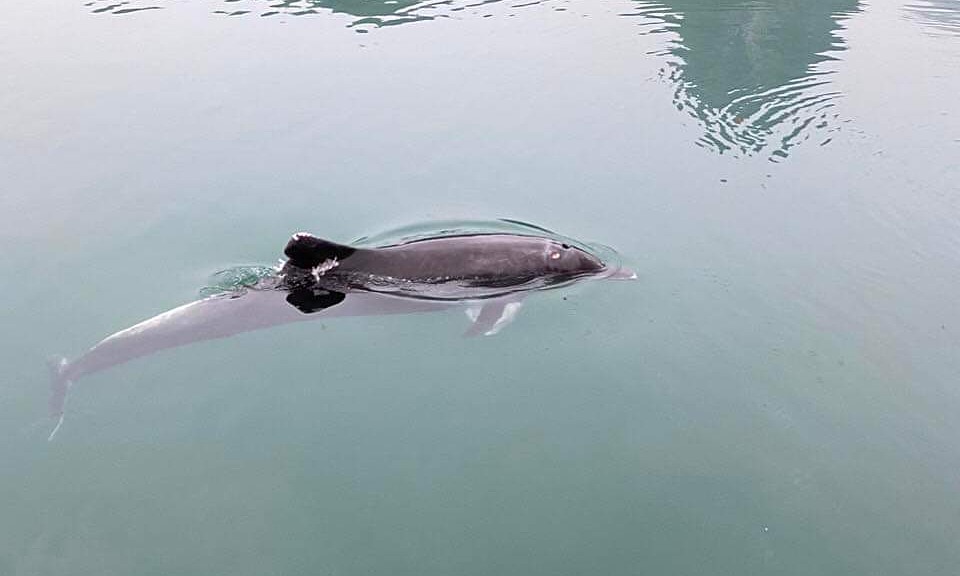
327	265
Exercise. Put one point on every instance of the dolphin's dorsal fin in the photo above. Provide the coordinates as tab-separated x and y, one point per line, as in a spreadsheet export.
307	251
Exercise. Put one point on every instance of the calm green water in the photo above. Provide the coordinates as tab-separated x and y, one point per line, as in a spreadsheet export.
776	394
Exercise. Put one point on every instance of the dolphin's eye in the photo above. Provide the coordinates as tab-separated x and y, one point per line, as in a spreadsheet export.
566	246
554	255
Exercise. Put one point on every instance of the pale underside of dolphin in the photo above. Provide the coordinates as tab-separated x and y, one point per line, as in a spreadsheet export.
486	275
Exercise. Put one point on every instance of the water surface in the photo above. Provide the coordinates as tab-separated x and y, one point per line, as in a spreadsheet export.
775	394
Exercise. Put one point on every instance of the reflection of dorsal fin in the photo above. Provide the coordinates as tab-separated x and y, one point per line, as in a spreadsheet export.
308	301
307	251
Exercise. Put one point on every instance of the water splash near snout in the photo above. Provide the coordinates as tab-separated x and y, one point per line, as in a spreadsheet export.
613	267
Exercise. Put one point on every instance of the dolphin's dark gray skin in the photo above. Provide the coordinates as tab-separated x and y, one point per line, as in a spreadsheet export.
444	268
487	273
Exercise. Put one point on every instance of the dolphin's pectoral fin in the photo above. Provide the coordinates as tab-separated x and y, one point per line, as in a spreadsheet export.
308	300
59	387
492	317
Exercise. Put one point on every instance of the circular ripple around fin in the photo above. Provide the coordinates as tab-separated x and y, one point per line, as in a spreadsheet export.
238	279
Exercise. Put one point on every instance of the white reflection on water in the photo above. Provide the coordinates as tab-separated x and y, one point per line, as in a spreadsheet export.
751	73
938	16
754	75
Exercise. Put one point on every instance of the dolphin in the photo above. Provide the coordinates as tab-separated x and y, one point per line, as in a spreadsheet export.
446	267
487	274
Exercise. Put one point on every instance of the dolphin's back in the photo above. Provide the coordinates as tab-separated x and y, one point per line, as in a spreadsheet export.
478	258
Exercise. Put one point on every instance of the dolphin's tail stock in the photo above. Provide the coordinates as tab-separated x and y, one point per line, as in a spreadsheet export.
59	386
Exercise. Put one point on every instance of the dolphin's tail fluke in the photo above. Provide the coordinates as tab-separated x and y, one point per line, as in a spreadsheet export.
59	386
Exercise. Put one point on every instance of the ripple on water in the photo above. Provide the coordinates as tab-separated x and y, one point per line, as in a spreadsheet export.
236	279
938	16
751	73
367	14
754	74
